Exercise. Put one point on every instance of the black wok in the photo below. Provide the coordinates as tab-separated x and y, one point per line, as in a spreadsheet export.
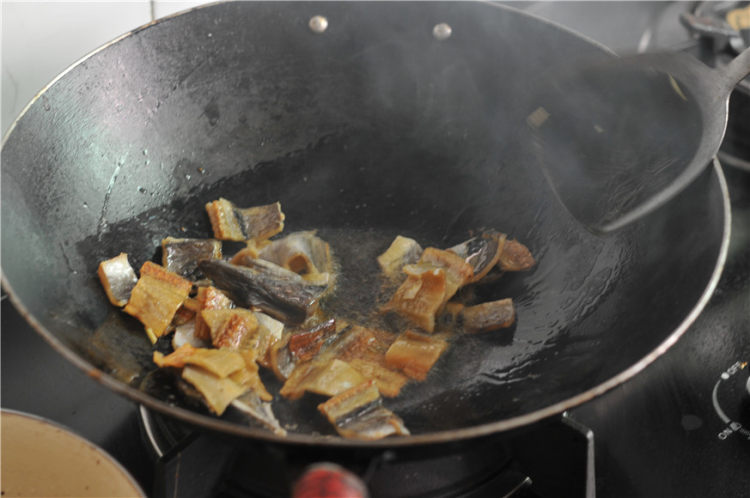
374	126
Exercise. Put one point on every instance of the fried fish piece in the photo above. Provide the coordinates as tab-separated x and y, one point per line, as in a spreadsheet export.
235	328
414	354
249	377
300	252
117	278
219	362
181	256
270	331
156	297
481	252
430	283
208	298
489	316
389	382
457	271
328	378
217	392
420	296
279	292
515	257
358	413
254	407
232	223
402	251
185	334
303	346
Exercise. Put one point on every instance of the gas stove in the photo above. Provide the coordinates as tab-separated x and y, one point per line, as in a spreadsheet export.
489	466
679	428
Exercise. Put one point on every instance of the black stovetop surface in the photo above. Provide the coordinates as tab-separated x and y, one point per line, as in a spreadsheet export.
659	434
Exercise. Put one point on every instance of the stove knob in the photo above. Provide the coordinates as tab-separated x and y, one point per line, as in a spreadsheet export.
330	481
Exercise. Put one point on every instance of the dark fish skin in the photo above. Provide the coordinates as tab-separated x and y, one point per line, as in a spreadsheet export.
287	299
182	255
374	422
481	252
259	221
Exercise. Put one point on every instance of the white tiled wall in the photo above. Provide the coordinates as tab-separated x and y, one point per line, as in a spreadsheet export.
164	8
41	39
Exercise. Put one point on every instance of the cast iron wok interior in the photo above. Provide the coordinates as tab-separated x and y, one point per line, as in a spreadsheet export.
373	126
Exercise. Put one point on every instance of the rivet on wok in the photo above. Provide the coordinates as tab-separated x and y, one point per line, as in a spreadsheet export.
318	24
442	31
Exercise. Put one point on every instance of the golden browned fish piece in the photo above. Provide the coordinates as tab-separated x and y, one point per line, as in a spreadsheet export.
402	251
238	366
153	270
217	392
364	342
208	298
231	328
322	377
414	354
248	377
420	297
457	271
389	382
183	315
219	362
156	297
303	346
270	331
306	344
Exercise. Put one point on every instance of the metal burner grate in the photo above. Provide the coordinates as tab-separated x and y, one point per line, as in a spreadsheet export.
552	459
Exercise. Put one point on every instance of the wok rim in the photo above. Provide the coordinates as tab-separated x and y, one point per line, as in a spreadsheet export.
445	436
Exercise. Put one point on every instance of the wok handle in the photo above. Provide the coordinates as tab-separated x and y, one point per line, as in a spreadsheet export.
736	70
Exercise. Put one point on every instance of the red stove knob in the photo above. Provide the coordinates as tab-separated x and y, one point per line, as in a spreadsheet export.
328	480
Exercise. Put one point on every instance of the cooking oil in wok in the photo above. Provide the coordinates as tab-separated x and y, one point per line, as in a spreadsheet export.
360	287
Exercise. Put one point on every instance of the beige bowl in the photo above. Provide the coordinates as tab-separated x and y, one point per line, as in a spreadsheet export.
41	458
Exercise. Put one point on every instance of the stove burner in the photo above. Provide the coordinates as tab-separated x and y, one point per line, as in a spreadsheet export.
551	459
